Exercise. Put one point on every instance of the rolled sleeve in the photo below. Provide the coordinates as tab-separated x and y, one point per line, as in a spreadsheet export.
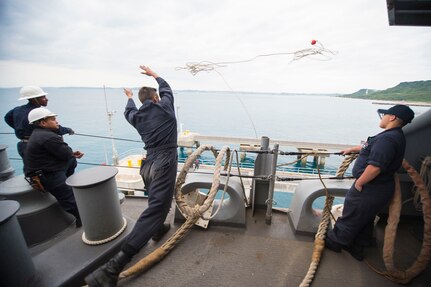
382	153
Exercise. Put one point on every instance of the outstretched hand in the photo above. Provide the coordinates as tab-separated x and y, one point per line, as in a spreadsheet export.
128	92
147	71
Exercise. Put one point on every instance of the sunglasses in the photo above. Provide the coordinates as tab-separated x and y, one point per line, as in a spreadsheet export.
381	115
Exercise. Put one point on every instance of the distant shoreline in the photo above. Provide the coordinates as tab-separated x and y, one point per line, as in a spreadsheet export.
419	104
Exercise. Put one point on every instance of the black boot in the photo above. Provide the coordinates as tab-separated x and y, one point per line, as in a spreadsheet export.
159	234
107	274
332	245
357	251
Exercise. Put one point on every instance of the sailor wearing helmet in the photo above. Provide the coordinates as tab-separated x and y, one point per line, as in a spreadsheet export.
51	160
17	118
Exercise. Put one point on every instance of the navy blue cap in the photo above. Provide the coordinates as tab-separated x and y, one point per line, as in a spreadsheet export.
400	111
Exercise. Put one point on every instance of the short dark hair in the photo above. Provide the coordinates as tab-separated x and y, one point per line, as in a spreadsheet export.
147	93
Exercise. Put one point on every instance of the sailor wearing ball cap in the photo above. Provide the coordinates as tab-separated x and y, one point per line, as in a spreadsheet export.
379	158
402	112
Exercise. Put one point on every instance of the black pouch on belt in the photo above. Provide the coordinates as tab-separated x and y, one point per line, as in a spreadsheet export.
34	180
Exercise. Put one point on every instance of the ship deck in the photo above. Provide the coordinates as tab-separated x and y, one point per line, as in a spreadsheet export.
266	255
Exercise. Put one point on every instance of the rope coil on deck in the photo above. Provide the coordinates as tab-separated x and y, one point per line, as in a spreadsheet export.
393	273
182	205
193	213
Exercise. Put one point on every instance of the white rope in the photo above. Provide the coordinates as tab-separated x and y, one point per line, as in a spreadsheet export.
99	242
208	66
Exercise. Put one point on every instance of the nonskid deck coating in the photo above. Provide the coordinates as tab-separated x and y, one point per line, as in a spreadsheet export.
262	255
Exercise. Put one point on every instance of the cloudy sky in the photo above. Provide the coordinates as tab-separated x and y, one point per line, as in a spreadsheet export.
91	43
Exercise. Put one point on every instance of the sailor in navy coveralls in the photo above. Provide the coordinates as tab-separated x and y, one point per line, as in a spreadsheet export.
156	123
379	158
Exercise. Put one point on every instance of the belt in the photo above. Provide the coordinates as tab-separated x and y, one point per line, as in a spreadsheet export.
162	147
25	139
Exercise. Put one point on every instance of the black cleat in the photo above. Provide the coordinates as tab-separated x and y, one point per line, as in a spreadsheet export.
159	234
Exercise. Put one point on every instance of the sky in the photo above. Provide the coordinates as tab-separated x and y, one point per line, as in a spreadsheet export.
81	43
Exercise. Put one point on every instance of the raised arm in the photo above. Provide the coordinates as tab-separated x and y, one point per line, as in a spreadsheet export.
131	110
165	91
147	71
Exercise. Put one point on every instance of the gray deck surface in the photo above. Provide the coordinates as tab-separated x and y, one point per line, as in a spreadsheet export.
264	255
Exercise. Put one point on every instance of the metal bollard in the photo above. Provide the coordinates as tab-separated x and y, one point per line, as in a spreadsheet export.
6	171
16	265
96	195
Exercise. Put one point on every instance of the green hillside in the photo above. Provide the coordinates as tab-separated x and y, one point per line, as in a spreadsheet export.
419	91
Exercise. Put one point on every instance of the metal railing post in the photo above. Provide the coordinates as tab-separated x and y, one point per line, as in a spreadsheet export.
262	167
268	216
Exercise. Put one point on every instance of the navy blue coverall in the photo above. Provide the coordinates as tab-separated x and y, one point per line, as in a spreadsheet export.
47	152
17	118
157	125
355	226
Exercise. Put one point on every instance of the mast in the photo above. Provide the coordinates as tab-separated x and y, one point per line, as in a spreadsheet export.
110	114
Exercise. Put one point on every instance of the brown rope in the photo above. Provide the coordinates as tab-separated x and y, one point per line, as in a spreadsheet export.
193	213
319	240
425	174
345	164
393	273
157	255
179	197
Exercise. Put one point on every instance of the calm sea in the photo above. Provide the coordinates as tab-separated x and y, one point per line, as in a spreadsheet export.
309	118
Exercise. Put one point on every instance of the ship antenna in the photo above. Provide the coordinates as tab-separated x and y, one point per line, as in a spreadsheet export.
179	124
110	114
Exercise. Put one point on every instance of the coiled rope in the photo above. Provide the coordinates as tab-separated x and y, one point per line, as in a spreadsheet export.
207	66
393	273
319	240
193	213
103	241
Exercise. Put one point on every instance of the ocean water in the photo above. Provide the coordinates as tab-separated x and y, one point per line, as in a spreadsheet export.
309	118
